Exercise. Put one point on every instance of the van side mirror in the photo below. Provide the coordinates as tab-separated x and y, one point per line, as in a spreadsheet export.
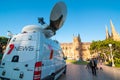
65	57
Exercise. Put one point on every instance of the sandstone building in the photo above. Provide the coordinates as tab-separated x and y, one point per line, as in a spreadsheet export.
76	50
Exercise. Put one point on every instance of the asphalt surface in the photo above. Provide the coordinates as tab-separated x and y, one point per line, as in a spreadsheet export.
79	72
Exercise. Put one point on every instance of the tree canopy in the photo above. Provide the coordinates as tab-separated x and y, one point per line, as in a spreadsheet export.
103	48
3	40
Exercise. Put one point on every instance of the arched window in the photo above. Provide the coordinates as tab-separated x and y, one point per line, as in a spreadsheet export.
66	48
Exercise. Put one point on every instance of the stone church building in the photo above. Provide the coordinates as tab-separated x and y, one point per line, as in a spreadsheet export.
76	50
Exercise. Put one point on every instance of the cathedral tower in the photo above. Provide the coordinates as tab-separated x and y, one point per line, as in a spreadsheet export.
77	47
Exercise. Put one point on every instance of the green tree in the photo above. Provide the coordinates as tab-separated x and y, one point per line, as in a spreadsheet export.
3	40
103	49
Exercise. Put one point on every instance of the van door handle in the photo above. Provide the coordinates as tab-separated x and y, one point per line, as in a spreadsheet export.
16	69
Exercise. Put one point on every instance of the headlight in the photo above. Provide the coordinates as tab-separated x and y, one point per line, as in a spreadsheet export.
3	73
21	75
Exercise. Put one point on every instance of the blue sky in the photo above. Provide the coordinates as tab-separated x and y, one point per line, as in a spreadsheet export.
85	17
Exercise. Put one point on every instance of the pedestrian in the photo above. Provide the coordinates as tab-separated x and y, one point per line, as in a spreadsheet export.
93	66
96	62
88	65
100	64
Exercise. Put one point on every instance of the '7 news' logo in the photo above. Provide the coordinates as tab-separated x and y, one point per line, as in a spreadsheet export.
20	48
24	48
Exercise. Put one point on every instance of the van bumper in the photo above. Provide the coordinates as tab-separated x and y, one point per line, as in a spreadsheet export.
1	78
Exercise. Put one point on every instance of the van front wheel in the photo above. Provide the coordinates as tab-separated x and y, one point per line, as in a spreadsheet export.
52	77
65	70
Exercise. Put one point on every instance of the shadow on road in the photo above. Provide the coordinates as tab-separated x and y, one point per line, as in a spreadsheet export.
79	72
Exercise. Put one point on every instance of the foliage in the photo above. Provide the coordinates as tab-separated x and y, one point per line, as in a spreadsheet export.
102	47
117	62
117	65
3	40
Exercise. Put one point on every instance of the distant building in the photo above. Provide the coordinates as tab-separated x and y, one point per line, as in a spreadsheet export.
76	50
114	35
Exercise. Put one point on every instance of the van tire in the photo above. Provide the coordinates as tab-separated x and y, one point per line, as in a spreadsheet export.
52	76
65	70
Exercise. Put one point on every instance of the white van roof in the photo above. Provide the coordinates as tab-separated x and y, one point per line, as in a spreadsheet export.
31	28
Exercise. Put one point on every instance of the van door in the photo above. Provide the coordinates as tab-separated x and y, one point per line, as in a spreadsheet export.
18	63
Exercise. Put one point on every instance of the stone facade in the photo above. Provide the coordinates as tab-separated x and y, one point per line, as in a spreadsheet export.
76	50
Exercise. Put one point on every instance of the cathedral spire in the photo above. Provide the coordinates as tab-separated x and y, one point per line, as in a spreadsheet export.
113	31
114	34
79	37
107	33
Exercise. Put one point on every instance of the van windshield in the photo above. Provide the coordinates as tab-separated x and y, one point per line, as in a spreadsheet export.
20	50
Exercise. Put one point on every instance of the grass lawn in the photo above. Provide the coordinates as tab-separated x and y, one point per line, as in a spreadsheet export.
77	62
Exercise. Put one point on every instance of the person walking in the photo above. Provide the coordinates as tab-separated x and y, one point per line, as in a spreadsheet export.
88	65
100	64
93	66
96	62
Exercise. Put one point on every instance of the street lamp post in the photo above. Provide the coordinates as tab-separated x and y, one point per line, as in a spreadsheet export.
110	45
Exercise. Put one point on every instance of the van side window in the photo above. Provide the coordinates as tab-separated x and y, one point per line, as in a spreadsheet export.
15	58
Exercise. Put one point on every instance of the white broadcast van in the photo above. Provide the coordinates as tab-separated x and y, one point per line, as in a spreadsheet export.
32	54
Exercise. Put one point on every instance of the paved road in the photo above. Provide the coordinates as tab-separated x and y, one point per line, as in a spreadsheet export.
79	72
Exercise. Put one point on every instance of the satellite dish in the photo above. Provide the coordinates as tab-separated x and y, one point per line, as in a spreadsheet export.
57	16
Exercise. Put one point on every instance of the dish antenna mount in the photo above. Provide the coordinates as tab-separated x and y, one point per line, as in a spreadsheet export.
57	17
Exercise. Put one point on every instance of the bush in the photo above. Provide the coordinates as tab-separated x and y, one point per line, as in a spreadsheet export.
117	62
109	63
